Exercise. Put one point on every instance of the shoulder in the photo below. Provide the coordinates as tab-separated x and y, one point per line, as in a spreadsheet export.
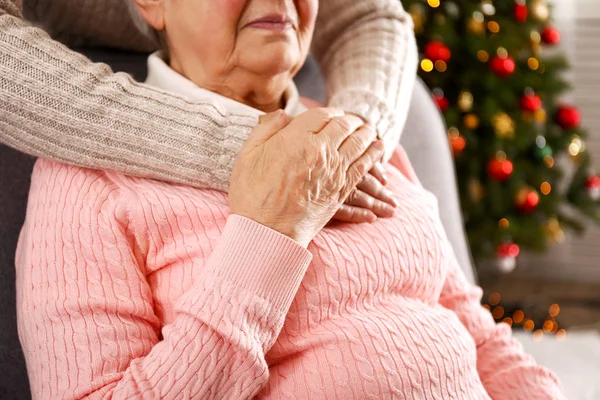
75	189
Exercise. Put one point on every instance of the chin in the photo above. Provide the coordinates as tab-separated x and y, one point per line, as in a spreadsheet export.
275	60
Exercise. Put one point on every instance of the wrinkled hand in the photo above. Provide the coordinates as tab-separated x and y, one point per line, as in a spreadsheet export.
370	199
293	175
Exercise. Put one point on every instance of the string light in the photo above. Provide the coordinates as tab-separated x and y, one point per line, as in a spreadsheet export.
549	161
493	27
427	65
548	327
529	325
575	146
533	63
495	298
483	56
545	188
535	37
498	312
441	66
518	316
434	3
503	223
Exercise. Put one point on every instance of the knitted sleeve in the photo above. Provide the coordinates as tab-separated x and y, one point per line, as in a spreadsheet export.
95	118
506	371
86	312
57	104
368	53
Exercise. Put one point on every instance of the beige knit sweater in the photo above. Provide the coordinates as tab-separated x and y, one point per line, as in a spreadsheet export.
57	104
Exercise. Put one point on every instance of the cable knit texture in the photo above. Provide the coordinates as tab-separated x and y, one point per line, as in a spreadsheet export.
55	103
134	288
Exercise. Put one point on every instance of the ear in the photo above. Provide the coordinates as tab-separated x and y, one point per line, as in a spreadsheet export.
153	12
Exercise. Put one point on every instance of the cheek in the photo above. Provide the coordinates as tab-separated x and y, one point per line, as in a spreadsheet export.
307	11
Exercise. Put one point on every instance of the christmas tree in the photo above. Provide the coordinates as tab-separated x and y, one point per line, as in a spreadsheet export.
523	169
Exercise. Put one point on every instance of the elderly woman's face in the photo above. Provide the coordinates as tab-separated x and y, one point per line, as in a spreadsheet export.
216	42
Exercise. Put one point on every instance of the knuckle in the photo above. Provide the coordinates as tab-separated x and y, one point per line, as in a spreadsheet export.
342	123
321	113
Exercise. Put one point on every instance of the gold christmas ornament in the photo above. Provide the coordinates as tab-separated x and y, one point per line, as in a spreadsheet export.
539	9
541	116
465	100
476	190
471	121
504	126
553	231
476	27
418	16
483	56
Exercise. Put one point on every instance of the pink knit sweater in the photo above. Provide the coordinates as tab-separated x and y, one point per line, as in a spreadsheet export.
133	288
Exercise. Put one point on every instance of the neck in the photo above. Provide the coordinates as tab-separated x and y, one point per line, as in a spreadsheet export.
264	93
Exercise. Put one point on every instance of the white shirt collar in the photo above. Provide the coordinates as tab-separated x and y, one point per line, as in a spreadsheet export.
162	76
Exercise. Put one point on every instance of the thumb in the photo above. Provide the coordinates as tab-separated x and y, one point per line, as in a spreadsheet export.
268	125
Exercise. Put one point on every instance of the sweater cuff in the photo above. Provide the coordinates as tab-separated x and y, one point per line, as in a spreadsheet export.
369	107
260	260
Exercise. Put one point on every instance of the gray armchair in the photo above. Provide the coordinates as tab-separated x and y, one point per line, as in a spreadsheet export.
424	138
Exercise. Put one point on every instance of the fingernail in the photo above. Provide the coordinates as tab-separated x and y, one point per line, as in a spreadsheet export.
389	210
396	202
385	179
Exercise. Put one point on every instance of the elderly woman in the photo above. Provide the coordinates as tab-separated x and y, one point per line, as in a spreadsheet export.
134	288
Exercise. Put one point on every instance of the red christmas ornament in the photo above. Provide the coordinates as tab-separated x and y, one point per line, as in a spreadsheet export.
568	117
527	200
502	66
531	102
437	50
508	250
592	184
551	35
458	144
500	170
442	102
521	13
507	256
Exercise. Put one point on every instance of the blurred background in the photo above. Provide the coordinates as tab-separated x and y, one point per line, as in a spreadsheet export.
518	85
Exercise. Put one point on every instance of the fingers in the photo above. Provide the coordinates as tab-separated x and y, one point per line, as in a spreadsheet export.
314	120
339	128
359	168
347	213
269	124
373	195
356	144
379	173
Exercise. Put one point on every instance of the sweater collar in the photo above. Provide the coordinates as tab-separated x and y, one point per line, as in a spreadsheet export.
162	76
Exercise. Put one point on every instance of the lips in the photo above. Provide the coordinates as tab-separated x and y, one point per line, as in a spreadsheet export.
273	22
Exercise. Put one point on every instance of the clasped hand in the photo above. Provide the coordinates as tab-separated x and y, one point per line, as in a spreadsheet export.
295	174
